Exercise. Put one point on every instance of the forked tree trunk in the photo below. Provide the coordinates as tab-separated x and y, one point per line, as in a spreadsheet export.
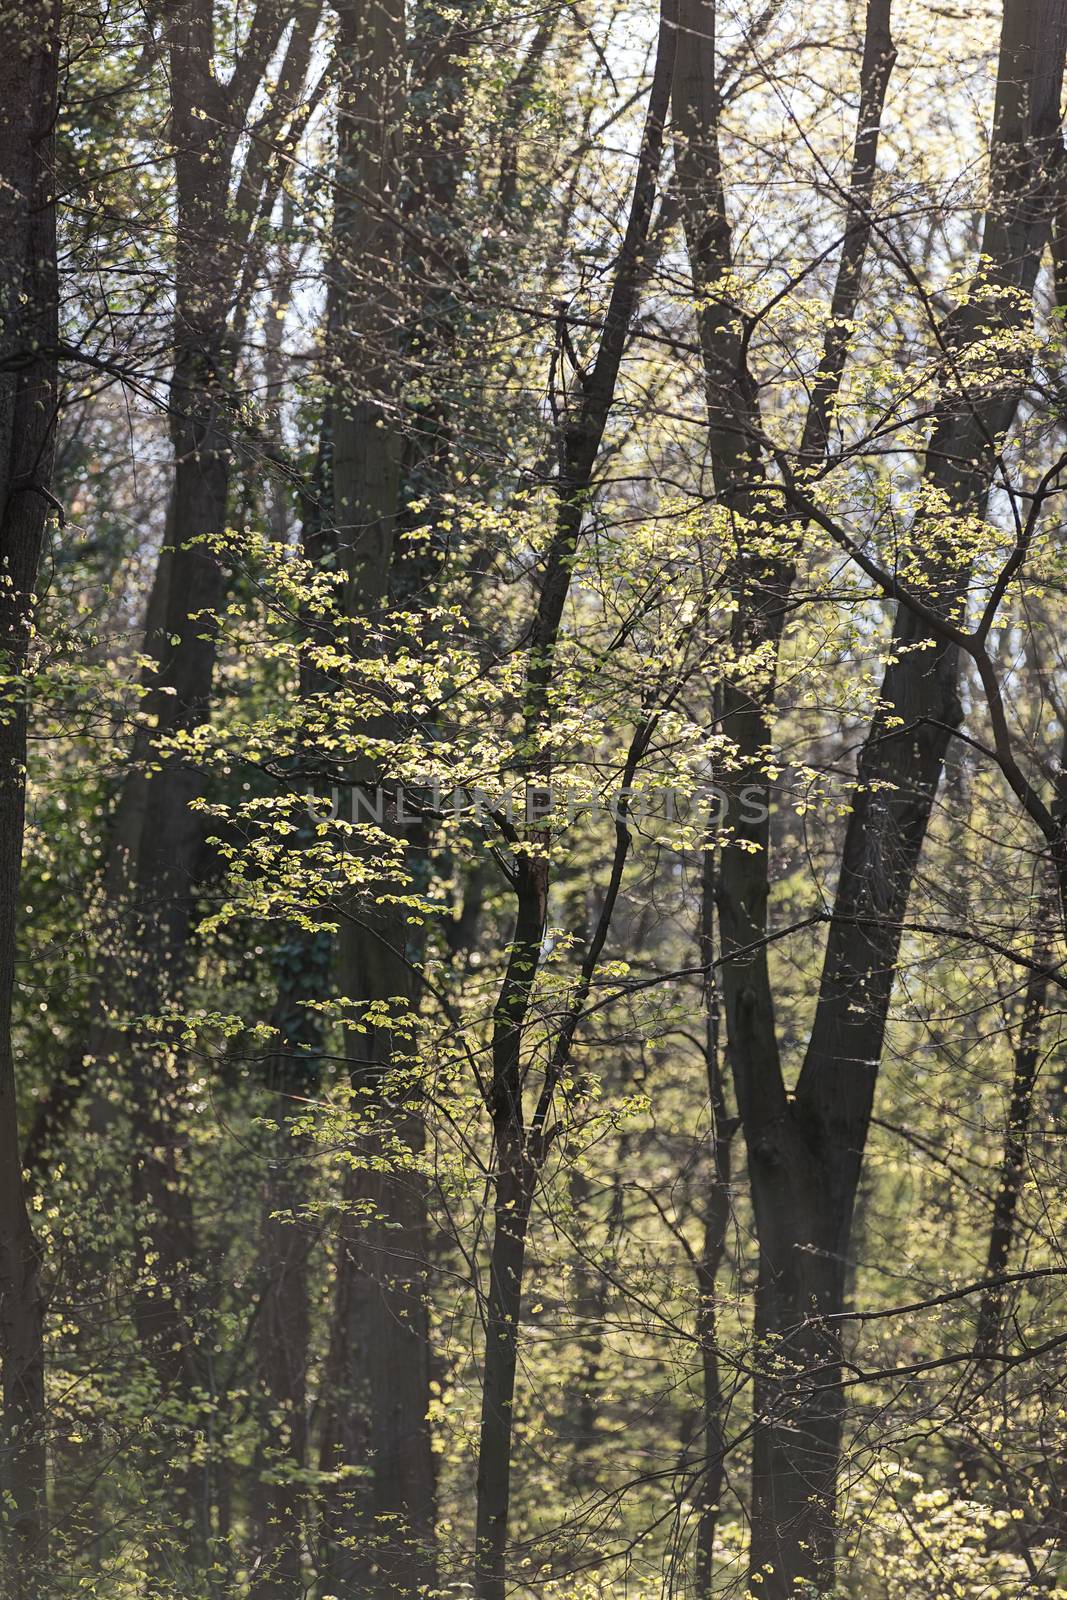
156	850
805	1152
899	772
213	252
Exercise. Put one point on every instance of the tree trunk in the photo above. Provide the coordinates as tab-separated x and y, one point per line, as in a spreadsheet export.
212	252
28	396
716	1222
283	1325
156	847
520	1150
511	1219
590	1304
989	1323
305	970
397	260
1016	1142
512	1199
385	1239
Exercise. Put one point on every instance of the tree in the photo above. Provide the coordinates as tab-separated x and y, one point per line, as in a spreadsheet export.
29	300
806	1149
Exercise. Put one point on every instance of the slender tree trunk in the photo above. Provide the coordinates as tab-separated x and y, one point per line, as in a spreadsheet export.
283	1323
518	94
989	1323
520	1150
513	1197
1013	1158
590	1303
28	397
716	1222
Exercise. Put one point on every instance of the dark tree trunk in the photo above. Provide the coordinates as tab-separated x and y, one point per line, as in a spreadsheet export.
305	970
590	1303
162	835
784	1178
511	1219
157	845
345	1561
28	397
1013	1157
154	851
989	1323
711	1479
385	1239
283	1323
513	1196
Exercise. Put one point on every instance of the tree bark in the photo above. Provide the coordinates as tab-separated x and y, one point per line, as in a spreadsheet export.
399	261
385	1236
711	1479
1027	1061
782	1174
29	299
305	969
283	1326
512	1199
989	1322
